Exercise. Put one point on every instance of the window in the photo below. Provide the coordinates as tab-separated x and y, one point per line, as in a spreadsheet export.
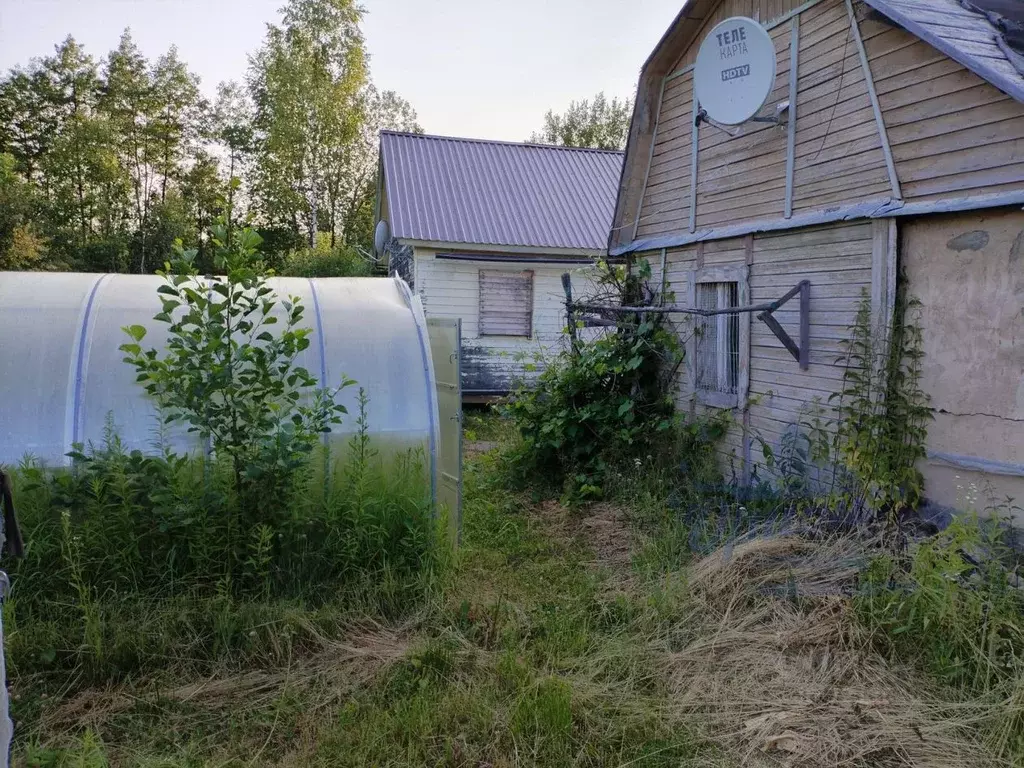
718	339
719	348
506	303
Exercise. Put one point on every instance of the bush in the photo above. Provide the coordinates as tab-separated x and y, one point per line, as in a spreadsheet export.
325	261
137	560
602	403
953	605
955	609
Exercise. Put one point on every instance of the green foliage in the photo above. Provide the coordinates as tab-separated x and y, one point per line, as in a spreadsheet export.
858	458
956	609
230	377
882	411
325	261
597	123
21	247
955	606
601	402
113	160
127	570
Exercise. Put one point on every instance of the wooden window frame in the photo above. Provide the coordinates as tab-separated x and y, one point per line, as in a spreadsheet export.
730	273
527	274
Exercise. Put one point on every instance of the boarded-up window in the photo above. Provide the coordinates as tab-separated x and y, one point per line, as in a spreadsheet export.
506	303
718	339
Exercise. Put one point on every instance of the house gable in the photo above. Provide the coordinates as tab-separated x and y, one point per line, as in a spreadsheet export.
883	121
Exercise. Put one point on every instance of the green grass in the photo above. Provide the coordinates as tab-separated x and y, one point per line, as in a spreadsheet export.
485	423
522	653
524	649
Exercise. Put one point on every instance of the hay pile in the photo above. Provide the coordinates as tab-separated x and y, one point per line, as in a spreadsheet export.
778	668
334	669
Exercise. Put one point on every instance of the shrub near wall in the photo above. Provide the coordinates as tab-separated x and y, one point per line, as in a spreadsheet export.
603	403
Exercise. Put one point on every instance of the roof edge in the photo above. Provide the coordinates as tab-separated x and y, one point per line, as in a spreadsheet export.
885	208
468	140
1006	85
582	252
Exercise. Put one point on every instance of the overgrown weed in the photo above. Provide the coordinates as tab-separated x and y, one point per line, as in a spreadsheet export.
126	569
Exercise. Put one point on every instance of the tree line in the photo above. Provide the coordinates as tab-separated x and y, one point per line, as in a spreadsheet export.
105	163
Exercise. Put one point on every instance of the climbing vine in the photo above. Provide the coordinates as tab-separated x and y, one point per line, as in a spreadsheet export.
882	412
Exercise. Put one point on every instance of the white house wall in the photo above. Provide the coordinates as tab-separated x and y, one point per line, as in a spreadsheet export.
495	364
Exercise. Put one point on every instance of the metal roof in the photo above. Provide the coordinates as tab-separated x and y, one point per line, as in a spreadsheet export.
476	192
983	35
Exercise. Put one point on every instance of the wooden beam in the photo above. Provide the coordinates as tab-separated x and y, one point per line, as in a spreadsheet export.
872	209
827	216
951	205
805	325
790	14
650	161
879	275
892	267
869	81
977	464
679	72
745	479
662	278
794	60
693	160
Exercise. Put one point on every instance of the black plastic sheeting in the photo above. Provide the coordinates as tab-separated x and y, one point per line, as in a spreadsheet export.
1007	16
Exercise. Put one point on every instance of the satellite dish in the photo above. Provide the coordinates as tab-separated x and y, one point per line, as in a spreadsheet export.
735	70
380	237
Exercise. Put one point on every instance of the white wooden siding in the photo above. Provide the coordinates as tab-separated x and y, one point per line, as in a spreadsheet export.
451	288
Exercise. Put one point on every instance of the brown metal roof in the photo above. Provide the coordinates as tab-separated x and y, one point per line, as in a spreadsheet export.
471	191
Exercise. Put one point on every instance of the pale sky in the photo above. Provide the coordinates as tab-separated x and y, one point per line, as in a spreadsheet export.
478	68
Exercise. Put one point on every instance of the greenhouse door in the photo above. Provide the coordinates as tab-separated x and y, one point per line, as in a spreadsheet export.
445	345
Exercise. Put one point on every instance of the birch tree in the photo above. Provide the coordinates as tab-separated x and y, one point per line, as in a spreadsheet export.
305	83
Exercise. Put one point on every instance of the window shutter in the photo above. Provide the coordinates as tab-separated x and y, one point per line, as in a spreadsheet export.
506	303
718	352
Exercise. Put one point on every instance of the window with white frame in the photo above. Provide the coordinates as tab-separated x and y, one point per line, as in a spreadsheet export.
506	303
720	346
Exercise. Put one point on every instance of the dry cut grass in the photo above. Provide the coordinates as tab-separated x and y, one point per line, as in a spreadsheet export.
327	676
780	673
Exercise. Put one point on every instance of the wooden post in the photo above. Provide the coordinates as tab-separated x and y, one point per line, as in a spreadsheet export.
695	138
794	63
805	325
570	314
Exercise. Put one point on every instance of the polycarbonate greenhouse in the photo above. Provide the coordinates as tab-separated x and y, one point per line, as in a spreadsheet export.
63	379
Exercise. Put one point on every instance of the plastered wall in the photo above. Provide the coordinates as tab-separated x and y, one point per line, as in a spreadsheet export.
968	272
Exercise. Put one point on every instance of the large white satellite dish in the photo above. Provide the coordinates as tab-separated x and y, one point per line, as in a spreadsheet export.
735	70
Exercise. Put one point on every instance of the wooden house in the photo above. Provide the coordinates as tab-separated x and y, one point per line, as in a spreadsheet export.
483	230
901	149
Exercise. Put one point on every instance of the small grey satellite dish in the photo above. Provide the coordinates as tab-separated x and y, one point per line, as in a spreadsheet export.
380	237
735	70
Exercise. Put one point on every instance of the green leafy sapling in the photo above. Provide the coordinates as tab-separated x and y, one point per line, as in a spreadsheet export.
229	368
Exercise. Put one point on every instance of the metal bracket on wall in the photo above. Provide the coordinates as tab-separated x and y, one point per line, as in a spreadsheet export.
576	312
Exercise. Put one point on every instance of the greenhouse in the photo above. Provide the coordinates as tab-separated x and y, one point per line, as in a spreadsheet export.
64	381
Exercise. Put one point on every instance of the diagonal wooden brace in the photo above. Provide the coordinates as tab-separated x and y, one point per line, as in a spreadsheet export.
801	352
